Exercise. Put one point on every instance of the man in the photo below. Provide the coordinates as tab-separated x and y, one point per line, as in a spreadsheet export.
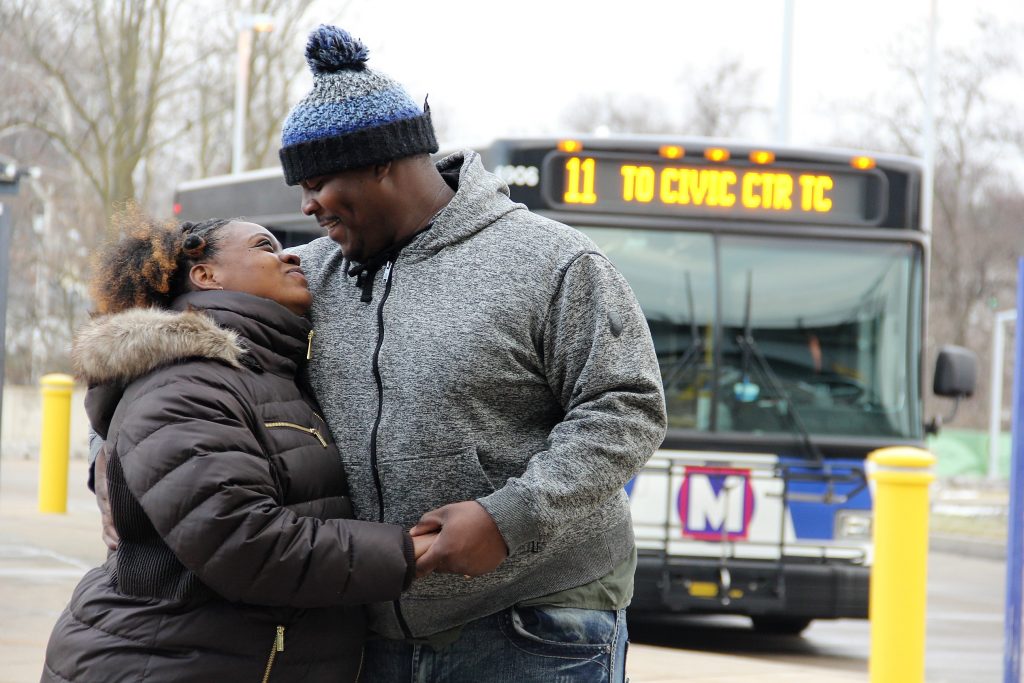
487	373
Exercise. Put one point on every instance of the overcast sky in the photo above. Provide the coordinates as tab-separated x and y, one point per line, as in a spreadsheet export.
507	68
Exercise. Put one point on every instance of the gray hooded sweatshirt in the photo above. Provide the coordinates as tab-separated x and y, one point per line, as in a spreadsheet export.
501	359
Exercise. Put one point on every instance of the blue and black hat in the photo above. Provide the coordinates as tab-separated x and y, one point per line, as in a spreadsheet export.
353	117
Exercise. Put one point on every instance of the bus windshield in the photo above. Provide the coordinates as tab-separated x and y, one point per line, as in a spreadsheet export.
833	329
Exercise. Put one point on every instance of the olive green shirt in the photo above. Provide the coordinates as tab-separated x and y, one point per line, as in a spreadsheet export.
612	592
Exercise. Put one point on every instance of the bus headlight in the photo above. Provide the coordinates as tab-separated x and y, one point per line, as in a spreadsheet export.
853	524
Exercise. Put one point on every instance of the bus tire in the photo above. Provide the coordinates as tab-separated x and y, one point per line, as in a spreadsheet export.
780	626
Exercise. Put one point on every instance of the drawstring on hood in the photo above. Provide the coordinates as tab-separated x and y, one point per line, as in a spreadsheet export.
364	273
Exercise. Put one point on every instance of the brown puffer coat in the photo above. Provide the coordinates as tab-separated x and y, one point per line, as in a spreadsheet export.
228	494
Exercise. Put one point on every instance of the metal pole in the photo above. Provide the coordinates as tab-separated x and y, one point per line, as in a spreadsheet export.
995	417
1015	530
241	99
928	181
897	592
5	248
785	76
55	444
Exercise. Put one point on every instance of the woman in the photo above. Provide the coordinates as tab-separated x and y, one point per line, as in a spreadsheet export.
238	559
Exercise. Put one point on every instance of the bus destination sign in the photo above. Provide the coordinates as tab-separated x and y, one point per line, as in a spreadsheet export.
655	186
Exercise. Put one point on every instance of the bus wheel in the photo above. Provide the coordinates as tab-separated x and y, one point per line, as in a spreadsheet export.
780	626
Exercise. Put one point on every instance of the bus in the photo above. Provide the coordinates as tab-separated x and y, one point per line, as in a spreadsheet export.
785	290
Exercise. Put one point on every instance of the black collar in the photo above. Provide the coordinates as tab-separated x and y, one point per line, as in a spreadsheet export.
364	273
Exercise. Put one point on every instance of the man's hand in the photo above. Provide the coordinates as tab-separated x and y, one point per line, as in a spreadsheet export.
110	536
468	541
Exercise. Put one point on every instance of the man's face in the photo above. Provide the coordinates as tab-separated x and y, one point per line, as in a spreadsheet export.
351	206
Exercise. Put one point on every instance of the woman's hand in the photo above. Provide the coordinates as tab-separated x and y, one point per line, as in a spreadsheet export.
421	544
469	540
110	536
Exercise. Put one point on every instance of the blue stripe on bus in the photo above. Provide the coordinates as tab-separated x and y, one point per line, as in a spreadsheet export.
817	520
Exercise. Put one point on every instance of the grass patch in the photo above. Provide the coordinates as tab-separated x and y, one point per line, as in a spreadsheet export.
987	528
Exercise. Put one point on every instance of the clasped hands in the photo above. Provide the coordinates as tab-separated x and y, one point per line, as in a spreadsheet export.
460	538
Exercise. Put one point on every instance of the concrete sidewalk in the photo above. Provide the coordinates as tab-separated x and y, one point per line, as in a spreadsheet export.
43	556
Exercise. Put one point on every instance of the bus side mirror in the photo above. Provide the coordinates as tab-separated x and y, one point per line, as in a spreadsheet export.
956	372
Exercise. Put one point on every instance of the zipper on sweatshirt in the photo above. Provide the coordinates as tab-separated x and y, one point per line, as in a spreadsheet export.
386	281
309	346
291	425
278	646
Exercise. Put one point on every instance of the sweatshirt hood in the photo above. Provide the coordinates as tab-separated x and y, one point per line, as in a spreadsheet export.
481	198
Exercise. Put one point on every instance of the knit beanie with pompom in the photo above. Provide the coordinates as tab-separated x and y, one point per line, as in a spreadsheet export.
353	117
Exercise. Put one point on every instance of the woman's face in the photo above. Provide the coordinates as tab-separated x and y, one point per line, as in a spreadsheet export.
249	259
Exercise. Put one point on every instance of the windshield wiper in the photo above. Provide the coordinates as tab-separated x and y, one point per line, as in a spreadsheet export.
692	352
751	351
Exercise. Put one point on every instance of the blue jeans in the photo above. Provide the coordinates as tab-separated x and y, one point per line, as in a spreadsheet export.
516	645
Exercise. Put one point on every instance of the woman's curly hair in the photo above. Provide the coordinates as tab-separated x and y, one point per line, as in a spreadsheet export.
148	264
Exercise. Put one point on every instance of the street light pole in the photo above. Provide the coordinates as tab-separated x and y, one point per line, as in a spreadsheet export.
995	415
247	25
9	176
785	76
241	99
5	248
928	181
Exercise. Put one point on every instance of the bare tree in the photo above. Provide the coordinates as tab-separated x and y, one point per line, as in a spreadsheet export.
616	113
50	250
94	77
275	65
84	86
204	110
718	102
722	102
977	205
116	101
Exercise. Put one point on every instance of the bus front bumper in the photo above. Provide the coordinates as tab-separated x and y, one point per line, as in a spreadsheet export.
798	588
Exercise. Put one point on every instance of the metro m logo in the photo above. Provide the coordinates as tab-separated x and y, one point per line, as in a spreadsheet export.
716	503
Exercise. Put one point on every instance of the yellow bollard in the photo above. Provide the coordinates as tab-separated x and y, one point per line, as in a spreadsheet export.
900	571
55	447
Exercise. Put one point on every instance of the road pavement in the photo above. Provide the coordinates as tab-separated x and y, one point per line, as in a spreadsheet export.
43	556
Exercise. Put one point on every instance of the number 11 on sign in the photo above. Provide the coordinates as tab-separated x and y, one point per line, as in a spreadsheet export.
579	182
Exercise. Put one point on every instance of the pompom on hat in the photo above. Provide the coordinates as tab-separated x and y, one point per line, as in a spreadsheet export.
353	117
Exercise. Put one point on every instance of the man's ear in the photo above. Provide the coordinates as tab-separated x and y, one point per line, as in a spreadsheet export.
381	171
202	276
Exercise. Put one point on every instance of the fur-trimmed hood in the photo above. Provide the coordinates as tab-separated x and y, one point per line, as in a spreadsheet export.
122	347
235	329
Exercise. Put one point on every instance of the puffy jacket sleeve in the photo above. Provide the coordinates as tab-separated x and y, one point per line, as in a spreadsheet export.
192	461
600	363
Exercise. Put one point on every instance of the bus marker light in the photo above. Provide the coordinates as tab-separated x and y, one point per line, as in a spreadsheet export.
570	145
716	154
671	151
177	208
762	156
862	163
